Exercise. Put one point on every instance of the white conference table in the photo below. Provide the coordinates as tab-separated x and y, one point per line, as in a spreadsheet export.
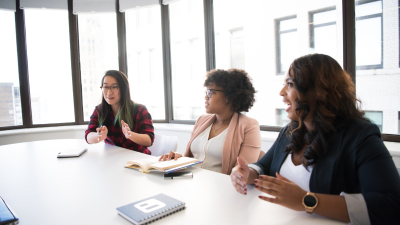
44	189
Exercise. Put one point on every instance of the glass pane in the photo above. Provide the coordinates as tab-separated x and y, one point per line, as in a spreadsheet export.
98	49
187	58
10	101
288	53
377	60
49	64
274	33
325	40
324	17
369	42
288	24
145	63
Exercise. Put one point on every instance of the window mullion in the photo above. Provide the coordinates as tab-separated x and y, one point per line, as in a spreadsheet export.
75	69
166	45
209	34
23	67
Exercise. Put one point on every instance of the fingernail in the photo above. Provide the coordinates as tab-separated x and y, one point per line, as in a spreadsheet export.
256	186
240	176
260	197
243	189
255	181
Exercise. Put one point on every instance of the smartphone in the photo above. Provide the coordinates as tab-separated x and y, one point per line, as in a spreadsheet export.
177	175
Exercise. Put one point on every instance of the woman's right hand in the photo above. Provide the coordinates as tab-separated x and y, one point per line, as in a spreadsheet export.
239	176
101	133
169	156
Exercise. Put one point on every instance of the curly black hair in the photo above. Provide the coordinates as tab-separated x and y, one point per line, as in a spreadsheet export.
237	87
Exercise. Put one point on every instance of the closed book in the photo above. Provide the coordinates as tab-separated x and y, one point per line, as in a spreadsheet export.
150	209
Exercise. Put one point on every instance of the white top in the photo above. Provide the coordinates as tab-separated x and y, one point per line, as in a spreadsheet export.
297	174
209	151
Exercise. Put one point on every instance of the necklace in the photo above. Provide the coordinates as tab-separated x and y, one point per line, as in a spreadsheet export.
215	130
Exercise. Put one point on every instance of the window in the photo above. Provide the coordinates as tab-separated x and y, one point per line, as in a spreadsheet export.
281	117
187	57
237	49
97	34
10	101
323	32
49	64
369	41
287	43
145	62
264	37
375	117
377	60
229	34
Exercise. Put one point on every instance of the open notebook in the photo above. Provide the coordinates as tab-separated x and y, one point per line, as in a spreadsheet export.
152	164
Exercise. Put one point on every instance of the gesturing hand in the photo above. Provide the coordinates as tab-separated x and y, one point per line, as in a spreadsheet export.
239	176
286	193
169	156
102	133
126	130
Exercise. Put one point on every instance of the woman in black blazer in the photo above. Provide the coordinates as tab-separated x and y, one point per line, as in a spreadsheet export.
352	177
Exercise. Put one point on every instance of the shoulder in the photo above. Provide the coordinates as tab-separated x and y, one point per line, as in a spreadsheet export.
248	121
138	108
203	118
359	130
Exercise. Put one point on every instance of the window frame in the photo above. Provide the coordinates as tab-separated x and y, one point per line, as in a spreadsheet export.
312	26
278	33
349	20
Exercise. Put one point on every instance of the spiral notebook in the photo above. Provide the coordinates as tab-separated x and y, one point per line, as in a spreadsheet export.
150	209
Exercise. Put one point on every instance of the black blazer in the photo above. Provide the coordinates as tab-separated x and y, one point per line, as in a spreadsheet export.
357	162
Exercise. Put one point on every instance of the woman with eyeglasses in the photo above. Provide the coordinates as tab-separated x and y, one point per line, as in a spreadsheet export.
330	159
118	120
223	134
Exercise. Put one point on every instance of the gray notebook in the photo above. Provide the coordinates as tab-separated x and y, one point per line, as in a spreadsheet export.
150	209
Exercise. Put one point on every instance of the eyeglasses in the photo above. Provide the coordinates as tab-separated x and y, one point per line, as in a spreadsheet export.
113	89
209	92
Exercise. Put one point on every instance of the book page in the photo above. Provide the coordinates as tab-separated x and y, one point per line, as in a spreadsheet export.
172	163
143	163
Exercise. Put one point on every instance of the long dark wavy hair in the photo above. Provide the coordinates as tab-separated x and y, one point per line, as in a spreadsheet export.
126	110
325	87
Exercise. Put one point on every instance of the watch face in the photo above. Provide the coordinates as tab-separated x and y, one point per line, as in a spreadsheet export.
310	201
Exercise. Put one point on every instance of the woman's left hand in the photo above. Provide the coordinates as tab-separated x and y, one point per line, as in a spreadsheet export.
286	193
126	130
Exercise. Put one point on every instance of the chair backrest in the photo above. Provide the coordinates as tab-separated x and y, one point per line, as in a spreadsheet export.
163	144
262	153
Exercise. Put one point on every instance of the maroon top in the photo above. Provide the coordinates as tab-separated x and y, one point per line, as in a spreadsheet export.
142	124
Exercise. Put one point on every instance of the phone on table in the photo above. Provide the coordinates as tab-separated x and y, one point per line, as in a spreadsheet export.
177	175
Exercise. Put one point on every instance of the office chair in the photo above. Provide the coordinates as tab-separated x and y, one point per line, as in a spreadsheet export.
163	144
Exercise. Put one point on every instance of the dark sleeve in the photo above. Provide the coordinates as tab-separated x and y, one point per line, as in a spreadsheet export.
378	177
93	124
265	162
145	123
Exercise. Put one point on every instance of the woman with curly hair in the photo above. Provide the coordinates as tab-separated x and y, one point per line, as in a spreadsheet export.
223	134
329	159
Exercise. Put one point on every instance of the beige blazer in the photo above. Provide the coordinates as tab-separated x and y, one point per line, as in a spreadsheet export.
242	139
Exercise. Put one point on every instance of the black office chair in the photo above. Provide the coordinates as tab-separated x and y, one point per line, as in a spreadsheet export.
398	169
